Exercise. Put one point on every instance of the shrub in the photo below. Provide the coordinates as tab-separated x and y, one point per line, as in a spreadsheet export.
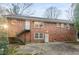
4	42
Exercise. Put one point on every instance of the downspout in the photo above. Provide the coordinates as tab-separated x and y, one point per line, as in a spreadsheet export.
30	29
76	32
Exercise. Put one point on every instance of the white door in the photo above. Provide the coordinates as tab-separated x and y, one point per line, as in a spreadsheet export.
46	37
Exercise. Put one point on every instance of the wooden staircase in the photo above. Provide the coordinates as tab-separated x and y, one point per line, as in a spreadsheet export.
17	40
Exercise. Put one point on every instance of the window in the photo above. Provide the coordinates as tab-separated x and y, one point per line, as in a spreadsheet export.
38	36
68	26
14	22
62	25
38	24
57	25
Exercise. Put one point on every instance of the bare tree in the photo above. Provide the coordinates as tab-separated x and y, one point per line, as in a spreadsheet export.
52	12
2	11
69	14
16	8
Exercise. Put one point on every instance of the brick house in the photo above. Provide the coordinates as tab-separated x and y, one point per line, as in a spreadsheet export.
35	29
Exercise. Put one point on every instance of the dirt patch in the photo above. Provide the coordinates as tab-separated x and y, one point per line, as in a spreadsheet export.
55	48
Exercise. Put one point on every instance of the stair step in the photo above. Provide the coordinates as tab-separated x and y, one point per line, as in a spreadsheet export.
17	41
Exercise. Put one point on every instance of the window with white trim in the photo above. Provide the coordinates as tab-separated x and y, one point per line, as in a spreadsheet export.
38	24
62	25
58	25
39	36
68	26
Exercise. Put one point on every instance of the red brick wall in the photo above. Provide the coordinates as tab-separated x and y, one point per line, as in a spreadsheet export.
15	26
55	33
60	34
25	37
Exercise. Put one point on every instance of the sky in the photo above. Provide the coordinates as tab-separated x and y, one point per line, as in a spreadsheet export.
39	9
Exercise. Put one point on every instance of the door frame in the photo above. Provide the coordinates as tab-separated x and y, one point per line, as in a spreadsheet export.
46	38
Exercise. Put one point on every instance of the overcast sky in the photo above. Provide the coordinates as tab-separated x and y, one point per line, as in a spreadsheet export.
39	9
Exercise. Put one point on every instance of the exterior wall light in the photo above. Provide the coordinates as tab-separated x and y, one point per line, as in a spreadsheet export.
5	26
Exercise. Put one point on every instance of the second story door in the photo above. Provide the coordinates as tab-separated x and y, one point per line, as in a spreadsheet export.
27	25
